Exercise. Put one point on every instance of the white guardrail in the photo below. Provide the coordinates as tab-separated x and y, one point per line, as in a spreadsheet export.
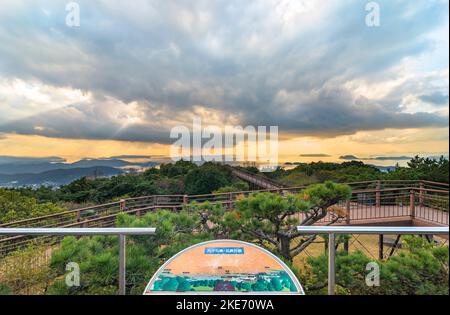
330	230
121	232
333	230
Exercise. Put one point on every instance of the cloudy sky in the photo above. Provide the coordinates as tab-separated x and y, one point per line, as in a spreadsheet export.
131	71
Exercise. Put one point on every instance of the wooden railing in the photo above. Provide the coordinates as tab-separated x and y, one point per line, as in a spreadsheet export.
370	200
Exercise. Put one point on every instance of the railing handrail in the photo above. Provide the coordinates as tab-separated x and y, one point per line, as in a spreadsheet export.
434	183
77	231
408	188
409	230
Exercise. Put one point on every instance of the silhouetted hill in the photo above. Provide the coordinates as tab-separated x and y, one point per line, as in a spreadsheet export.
348	157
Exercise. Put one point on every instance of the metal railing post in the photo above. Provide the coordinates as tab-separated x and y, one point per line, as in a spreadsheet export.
331	264
122	264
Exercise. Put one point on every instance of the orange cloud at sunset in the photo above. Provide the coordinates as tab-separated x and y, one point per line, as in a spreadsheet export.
74	149
365	143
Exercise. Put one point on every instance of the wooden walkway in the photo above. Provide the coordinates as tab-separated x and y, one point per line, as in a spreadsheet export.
360	213
378	213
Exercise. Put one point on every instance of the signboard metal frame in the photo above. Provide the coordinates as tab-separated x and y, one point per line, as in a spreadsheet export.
292	276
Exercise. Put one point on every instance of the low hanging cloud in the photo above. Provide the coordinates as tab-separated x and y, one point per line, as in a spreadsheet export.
436	98
306	66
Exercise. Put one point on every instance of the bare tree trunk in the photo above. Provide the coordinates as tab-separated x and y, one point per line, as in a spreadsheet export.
285	248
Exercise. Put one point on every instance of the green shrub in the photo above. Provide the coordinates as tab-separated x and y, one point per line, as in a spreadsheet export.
25	271
5	290
16	206
420	268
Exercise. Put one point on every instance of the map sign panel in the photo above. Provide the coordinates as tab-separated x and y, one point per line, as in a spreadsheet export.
224	267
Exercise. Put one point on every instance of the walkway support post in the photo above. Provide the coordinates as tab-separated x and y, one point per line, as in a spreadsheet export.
412	206
347	221
122	264
421	193
156	201
378	194
122	205
347	209
331	264
79	217
230	199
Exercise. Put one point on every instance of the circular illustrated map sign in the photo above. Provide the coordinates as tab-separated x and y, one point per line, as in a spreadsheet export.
224	267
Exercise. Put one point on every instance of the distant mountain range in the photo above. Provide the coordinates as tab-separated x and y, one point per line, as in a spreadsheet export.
376	158
56	177
39	167
5	159
53	171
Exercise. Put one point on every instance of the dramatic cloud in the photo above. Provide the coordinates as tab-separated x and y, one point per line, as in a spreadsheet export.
131	72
